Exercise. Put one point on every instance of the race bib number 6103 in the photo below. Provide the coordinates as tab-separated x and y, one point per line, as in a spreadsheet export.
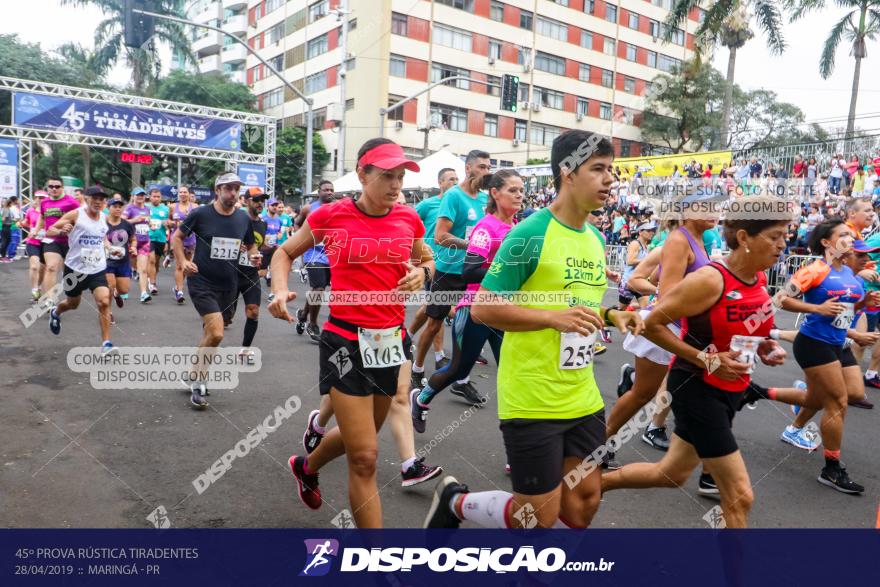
381	348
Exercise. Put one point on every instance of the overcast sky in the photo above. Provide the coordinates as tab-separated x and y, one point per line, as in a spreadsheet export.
794	76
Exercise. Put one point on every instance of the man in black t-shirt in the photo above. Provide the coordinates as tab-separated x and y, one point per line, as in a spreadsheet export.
249	273
212	275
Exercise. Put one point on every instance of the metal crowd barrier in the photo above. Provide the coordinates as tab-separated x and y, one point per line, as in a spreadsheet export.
780	273
615	257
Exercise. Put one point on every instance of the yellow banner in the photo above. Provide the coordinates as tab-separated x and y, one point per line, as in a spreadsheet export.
662	165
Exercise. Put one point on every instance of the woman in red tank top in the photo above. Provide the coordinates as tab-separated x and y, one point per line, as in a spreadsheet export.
721	305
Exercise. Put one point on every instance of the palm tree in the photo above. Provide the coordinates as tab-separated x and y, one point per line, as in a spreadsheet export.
144	61
727	22
860	25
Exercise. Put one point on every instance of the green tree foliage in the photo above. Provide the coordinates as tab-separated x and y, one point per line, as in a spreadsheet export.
290	159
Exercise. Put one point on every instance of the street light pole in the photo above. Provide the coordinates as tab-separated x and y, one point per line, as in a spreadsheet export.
342	13
307	183
384	111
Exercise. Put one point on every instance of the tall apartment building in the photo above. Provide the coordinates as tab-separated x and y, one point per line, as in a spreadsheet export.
581	63
216	52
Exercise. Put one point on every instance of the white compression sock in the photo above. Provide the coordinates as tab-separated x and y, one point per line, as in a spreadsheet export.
486	508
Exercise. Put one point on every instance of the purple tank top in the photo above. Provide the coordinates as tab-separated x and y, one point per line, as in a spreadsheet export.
700	257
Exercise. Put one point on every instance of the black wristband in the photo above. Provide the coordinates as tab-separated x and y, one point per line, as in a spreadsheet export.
605	317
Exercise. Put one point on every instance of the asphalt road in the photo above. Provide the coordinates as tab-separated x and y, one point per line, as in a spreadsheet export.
74	456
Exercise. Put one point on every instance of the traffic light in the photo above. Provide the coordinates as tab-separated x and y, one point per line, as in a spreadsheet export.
137	28
509	92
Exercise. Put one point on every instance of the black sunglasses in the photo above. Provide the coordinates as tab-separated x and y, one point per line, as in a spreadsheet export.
54	187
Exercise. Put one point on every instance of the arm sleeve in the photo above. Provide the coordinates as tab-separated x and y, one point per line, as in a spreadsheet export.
473	271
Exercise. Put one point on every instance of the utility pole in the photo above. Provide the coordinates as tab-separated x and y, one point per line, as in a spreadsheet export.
307	182
342	13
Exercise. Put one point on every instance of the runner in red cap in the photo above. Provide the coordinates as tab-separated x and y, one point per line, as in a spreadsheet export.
376	249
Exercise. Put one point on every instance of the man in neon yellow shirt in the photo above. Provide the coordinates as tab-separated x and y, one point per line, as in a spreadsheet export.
552	415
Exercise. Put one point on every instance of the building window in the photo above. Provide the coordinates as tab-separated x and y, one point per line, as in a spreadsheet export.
398	24
523	92
397	66
453	38
461	4
552	28
629	85
634	21
275	34
666	4
654	28
397	113
666	63
494	49
590	6
611	13
605	111
586	39
549	98
631	52
490	126
317	46
678	37
652	59
272	5
560	2
519	130
525	20
319	118
543	135
625	148
273	98
608	46
628	116
523	55
550	63
494	87
449	117
277	62
440	71
318	10
316	82
496	11
584	72
607	78
583	106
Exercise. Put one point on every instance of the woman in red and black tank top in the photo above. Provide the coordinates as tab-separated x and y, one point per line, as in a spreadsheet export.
721	305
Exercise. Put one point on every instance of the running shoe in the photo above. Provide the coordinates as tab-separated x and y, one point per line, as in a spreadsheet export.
154	289
605	335
311	437
306	483
469	393
54	322
268	280
198	391
657	438
439	514
166	262
35	295
443	362
134	275
418	472
751	395
599	349
861	403
417	380
108	349
609	463
836	477
178	296
314	332
300	321
627	375
448	321
873	381
707	486
270	298
246	352
146	298
482	360
799	438
117	297
418	412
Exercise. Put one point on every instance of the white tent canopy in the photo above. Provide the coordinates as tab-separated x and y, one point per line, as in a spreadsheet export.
425	179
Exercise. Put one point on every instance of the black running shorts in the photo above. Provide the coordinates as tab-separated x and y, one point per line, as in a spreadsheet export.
809	352
537	449
208	300
703	414
319	275
249	288
75	283
447	283
342	367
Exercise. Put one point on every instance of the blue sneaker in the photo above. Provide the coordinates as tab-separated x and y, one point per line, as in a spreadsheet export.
798	437
108	349
798	384
54	322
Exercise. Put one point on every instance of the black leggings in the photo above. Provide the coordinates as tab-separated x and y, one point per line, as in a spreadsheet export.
468	339
5	239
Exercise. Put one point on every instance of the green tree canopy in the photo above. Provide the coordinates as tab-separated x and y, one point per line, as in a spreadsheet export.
290	158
